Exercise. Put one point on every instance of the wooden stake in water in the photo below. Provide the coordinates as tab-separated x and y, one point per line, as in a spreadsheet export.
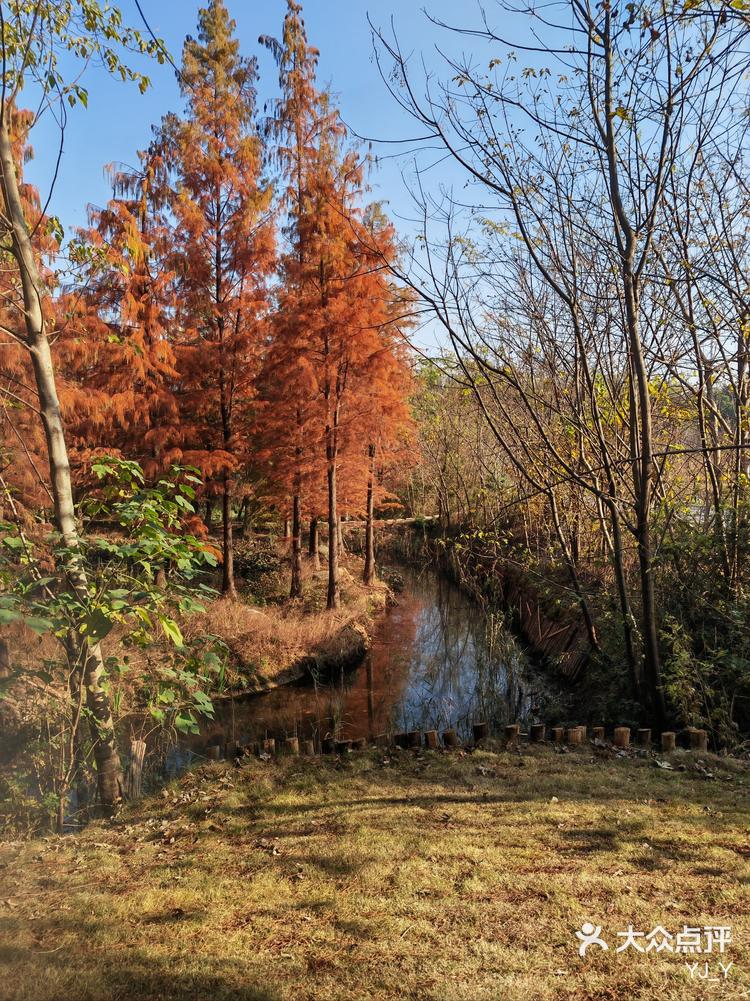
513	734
668	741
622	736
698	740
481	731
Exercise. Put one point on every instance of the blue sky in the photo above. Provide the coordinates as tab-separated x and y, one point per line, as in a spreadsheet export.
118	120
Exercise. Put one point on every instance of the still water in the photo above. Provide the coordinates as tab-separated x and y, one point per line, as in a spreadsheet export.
437	660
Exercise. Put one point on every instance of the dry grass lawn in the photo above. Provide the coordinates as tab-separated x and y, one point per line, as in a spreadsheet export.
422	876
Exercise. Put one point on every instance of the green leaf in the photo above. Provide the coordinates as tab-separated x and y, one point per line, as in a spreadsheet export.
96	625
172	631
38	625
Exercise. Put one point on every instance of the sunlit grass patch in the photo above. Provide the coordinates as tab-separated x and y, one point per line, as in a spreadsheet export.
393	875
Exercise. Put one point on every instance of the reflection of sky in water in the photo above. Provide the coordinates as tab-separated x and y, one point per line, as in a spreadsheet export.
436	661
458	668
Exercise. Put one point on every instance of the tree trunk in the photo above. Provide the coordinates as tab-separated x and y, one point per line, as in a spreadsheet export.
247	519
5	667
314	544
209	516
296	589
334	595
643	489
228	587
369	573
88	657
626	614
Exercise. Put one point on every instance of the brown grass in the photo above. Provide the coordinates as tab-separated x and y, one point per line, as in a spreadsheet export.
428	876
267	644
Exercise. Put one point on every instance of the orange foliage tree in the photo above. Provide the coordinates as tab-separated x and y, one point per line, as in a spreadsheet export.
334	303
290	420
222	258
116	349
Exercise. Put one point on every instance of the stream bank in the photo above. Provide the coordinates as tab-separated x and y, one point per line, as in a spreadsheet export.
436	661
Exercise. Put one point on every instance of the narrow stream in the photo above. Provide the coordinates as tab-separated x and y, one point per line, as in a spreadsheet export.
437	660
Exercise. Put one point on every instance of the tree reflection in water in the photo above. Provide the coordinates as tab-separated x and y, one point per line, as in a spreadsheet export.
437	660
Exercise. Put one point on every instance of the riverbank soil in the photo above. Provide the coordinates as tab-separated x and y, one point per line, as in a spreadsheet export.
393	875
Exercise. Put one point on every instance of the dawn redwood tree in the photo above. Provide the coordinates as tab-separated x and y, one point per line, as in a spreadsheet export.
288	443
290	390
38	40
381	422
335	298
319	183
224	255
115	348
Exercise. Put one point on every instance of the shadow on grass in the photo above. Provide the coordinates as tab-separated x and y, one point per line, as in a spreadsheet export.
124	974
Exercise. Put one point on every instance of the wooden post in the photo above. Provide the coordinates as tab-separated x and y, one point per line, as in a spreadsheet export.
668	741
414	738
537	733
360	744
343	746
643	737
622	736
558	734
481	731
308	748
291	745
450	738
698	740
597	733
135	771
513	734
431	739
269	746
214	752
329	745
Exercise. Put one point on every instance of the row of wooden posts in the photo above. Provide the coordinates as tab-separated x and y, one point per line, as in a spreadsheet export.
538	733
